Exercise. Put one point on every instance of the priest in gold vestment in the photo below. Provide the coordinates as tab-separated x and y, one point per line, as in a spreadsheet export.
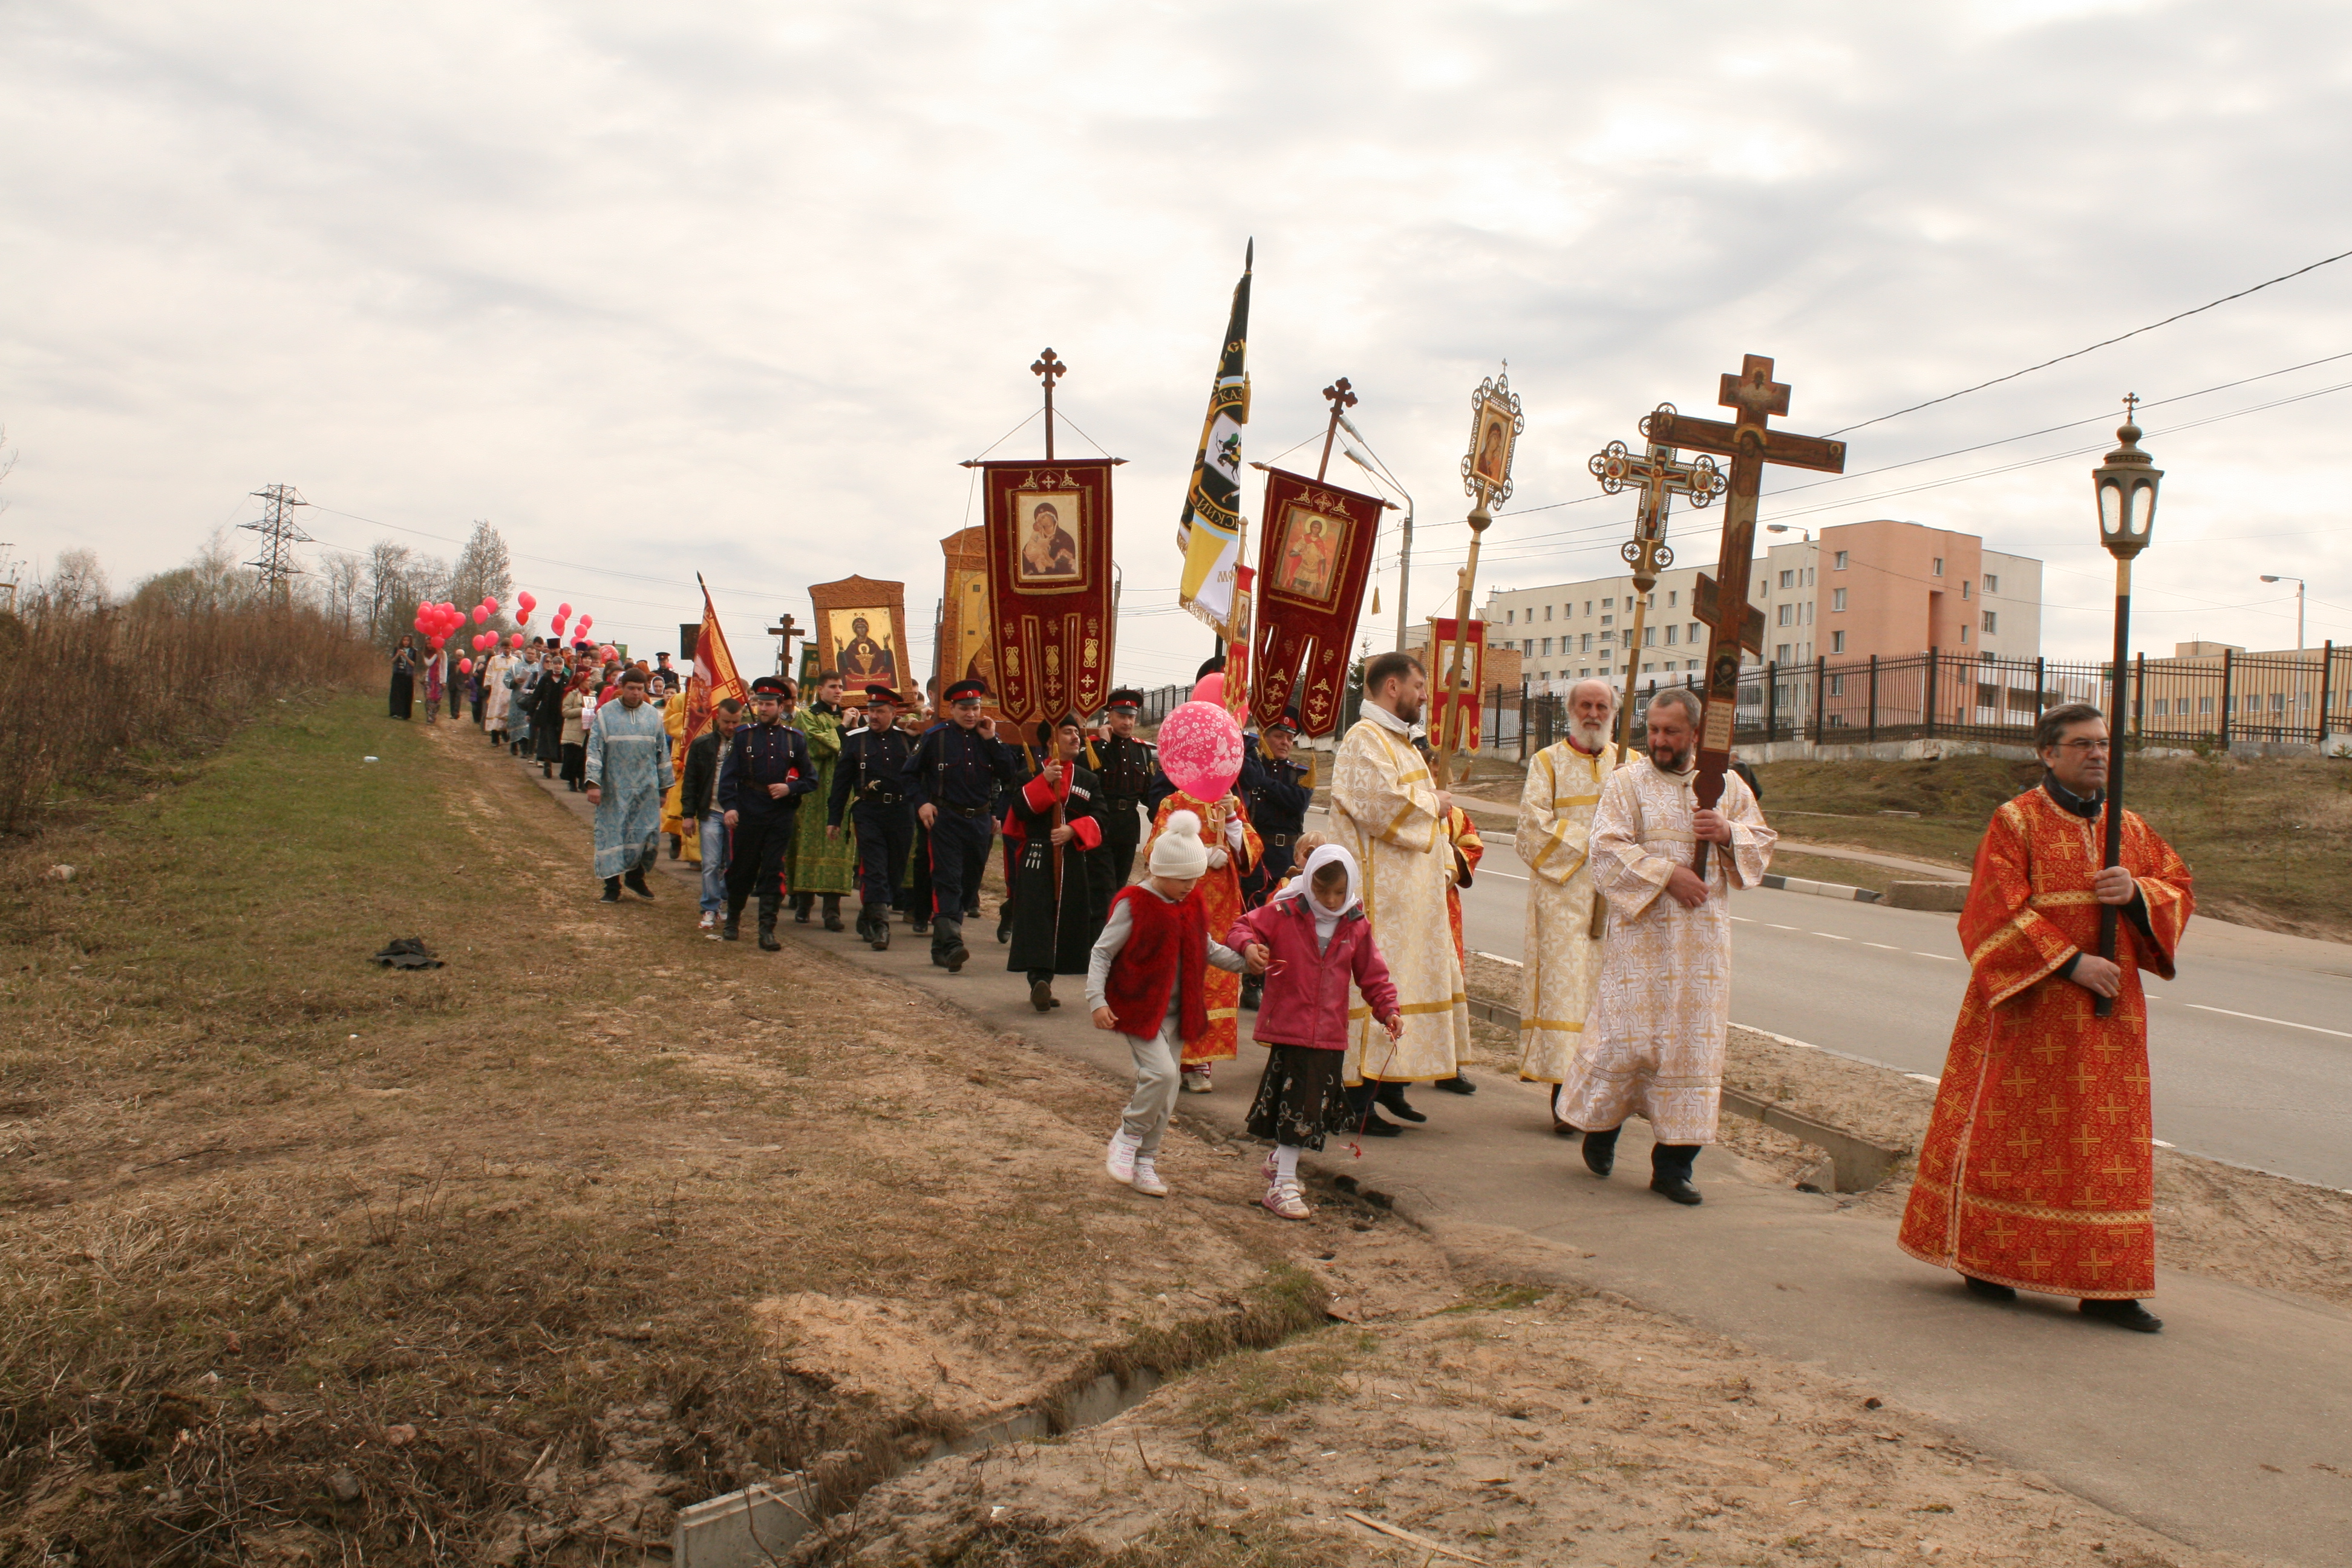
1560	957
1653	1043
1388	812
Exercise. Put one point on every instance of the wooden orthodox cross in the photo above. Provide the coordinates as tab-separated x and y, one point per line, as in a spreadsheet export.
1655	479
1049	369
1342	401
784	634
1750	445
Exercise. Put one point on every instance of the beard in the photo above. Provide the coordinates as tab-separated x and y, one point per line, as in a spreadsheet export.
1590	738
1674	759
1407	709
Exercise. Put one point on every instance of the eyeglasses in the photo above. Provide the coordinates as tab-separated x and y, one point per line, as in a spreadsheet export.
2085	748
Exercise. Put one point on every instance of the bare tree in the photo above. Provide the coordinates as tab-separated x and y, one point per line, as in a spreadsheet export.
80	580
343	579
484	570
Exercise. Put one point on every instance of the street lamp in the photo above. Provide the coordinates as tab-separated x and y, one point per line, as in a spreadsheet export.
1784	528
2126	484
2298	605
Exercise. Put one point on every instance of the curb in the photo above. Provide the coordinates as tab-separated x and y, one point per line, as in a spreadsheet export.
1822	889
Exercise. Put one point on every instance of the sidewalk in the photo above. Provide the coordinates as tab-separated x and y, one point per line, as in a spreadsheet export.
2231	1430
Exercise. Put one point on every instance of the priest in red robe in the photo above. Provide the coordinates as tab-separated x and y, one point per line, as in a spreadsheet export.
2037	1173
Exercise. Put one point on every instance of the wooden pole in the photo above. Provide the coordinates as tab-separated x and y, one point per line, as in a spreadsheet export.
1440	769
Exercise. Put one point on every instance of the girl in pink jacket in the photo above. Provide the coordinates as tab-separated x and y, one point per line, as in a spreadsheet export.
1313	941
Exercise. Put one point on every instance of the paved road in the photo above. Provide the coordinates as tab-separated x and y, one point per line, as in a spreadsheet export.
2251	1046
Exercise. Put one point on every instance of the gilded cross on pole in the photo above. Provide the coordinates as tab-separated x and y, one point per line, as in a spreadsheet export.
1750	444
1655	479
1048	369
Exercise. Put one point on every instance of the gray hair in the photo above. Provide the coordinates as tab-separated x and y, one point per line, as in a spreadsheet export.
1608	689
1682	697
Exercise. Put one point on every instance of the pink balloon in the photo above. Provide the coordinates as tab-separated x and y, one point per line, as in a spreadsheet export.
523	619
480	614
556	625
1211	688
608	651
564	609
490	603
515	641
467	664
1201	750
527	602
436	644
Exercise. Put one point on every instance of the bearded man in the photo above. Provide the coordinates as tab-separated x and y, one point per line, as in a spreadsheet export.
1388	812
1561	953
1654	1044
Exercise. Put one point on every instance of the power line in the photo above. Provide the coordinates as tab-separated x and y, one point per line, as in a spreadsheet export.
2109	342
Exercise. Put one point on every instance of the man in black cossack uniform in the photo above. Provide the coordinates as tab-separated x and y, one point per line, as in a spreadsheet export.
1125	765
766	772
869	785
1060	877
952	779
1277	796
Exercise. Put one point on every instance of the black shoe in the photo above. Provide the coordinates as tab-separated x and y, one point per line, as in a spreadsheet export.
768	942
957	957
1600	1155
733	930
833	911
1457	1084
1252	992
880	937
2124	1315
1392	1099
636	884
1004	927
1377	1126
920	927
674	846
1988	1291
1674	1187
611	890
1041	996
800	915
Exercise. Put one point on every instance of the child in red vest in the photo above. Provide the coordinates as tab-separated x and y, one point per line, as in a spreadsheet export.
1147	979
1320	949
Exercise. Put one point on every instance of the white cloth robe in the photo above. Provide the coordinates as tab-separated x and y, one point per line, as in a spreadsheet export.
494	691
1561	957
1652	1045
1384	812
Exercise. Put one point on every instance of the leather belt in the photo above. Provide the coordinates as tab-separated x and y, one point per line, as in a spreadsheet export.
964	811
1281	840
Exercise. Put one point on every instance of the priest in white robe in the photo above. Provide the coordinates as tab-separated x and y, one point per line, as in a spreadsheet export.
1388	812
1653	1046
1560	955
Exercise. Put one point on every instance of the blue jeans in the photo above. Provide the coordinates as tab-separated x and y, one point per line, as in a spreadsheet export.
714	863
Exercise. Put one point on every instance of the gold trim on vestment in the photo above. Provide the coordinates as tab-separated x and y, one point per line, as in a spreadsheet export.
2042	1213
1671	836
2060	900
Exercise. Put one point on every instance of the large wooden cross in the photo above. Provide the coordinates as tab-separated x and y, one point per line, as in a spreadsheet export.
1049	369
1655	479
1750	445
784	634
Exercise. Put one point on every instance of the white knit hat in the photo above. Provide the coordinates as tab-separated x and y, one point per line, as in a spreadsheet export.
1178	852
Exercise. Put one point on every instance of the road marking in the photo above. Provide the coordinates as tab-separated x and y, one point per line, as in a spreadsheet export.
1939	957
1481	953
1744	920
1923	1077
1776	926
1886	946
1511	876
1833	936
2283	1023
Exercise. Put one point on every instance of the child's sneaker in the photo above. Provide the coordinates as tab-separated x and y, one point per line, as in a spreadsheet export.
1196	1080
1147	1180
1120	1159
1287	1200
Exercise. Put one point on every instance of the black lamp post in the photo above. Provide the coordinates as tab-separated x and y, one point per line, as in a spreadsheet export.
2127	484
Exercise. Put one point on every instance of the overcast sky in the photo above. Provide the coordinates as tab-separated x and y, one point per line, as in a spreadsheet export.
734	288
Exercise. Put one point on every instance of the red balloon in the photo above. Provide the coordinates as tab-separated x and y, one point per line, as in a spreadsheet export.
526	602
556	625
563	610
467	664
515	641
608	651
523	619
490	603
436	644
480	614
1210	688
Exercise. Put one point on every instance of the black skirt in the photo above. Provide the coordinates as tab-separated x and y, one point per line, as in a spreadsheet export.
1301	1096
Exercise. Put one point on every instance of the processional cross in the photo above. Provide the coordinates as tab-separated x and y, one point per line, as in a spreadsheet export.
1050	370
1655	479
1750	445
784	634
1342	399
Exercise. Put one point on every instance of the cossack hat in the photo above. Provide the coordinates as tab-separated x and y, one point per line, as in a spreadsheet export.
772	685
1127	697
1288	721
884	694
1046	728
965	692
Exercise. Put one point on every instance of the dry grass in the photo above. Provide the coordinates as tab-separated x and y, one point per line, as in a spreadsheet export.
307	1258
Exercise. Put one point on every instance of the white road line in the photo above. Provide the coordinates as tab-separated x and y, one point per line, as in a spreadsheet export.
1833	936
1776	926
2283	1023
1481	953
1923	1077
1886	946
1744	920
1510	875
1939	957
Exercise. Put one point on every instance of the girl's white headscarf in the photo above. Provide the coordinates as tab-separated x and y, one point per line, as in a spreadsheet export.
1327	855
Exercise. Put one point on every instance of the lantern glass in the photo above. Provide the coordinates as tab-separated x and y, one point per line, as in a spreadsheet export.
2111	509
2141	515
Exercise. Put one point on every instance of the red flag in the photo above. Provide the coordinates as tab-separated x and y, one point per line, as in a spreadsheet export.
710	676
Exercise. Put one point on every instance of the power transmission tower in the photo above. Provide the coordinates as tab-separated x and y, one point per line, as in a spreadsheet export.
279	533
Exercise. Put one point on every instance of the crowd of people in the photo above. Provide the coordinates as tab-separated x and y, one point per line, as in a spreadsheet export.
1347	945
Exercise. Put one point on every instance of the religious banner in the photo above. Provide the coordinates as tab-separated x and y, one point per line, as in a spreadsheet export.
964	650
1051	620
1315	556
1462	701
710	673
860	631
1209	533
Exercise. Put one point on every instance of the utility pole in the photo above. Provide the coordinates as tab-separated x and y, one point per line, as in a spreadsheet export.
279	533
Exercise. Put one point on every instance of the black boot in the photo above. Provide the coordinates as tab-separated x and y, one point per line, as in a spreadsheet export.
1988	1291
1601	1151
873	925
1003	920
733	930
611	890
676	845
770	907
833	911
1670	1171
1391	1099
801	903
1369	1122
947	950
2124	1315
635	883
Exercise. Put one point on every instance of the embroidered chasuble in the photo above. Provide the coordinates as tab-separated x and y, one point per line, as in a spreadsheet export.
2036	1170
628	760
673	819
1219	894
1653	1044
816	864
495	696
1560	958
1384	811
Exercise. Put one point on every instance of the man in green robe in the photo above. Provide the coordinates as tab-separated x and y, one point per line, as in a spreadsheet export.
819	866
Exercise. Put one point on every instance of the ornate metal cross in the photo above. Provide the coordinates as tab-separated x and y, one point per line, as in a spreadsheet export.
1750	443
1342	401
1050	370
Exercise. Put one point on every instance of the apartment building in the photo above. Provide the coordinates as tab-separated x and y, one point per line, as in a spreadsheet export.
1882	587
